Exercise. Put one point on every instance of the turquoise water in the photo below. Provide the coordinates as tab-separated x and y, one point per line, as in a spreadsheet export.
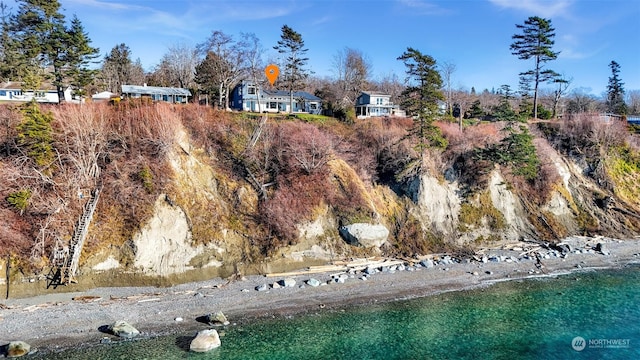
532	319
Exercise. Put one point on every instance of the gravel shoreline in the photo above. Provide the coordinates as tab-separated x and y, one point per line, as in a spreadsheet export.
53	322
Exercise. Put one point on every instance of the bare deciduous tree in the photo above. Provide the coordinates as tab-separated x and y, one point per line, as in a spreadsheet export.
180	62
353	69
223	65
447	69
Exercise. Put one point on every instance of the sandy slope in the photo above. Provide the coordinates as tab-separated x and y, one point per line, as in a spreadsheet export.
55	320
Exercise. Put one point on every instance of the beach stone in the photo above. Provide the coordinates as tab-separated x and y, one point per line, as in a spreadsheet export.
340	280
365	234
401	267
18	348
602	248
275	286
428	263
262	287
313	282
564	248
288	282
217	318
123	329
178	319
370	270
205	340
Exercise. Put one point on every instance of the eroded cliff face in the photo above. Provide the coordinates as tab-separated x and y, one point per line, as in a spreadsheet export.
196	225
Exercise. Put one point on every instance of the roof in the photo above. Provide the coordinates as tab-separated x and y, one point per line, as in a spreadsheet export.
103	95
17	85
296	94
374	93
154	90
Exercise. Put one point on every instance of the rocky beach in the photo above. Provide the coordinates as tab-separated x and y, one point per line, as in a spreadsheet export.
57	321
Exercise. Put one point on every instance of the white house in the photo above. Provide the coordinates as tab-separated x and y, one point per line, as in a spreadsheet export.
12	91
370	104
245	97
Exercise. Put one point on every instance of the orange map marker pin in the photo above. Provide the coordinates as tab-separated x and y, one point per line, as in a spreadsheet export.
272	72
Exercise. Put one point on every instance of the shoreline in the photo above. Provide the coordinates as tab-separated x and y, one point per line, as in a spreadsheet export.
54	322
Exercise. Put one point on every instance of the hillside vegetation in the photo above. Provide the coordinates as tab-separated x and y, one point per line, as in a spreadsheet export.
186	188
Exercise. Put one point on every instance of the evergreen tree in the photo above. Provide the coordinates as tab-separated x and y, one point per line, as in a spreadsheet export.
535	41
476	110
79	54
421	97
116	67
503	111
294	74
35	134
8	48
615	91
43	41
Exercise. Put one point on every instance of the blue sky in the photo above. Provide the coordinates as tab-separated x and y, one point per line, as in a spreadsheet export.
472	34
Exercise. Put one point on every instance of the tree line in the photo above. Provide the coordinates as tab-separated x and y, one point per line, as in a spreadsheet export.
38	44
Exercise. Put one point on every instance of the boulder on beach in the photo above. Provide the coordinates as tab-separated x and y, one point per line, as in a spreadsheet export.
205	340
288	282
364	234
313	282
17	349
602	248
262	287
123	329
428	263
217	318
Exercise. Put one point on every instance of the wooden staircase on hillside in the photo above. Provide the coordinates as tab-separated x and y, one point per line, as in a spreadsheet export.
66	259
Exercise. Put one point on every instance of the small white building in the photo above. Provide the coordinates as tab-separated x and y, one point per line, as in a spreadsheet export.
12	91
372	104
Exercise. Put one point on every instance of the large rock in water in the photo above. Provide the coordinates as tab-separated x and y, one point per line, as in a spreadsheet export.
123	329
205	340
17	349
365	235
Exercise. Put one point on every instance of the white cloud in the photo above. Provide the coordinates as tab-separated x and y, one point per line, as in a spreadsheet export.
422	7
111	5
543	8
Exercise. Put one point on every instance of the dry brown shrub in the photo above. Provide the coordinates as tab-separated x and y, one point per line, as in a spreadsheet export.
14	232
539	190
470	138
306	149
591	135
291	203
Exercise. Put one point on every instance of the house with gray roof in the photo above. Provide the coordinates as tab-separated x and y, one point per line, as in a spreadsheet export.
245	96
156	93
371	104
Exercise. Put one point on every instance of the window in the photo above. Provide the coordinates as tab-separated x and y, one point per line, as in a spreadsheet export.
251	90
3	93
273	105
313	106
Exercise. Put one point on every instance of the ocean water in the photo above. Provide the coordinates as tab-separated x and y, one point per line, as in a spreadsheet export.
530	319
